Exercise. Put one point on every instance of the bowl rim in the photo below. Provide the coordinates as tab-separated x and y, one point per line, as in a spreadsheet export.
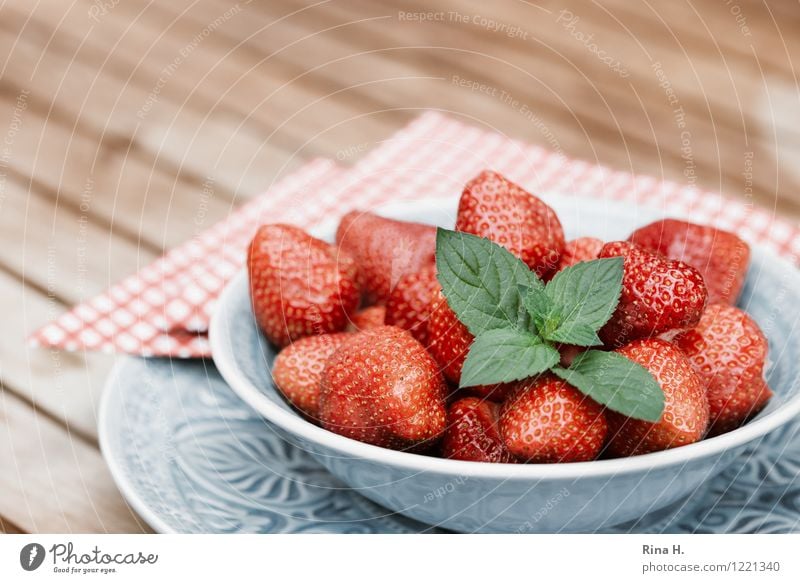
297	426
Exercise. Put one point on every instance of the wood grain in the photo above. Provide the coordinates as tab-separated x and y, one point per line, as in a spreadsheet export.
129	126
52	482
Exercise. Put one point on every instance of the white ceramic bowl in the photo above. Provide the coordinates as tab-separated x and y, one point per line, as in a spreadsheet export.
469	496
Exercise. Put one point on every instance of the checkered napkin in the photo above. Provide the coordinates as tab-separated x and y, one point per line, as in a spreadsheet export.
164	309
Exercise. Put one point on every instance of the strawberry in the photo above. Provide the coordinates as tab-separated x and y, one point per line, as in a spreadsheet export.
472	432
382	387
493	207
385	250
686	413
720	256
658	295
578	250
449	342
299	285
448	338
569	352
297	370
368	318
727	351
547	420
409	304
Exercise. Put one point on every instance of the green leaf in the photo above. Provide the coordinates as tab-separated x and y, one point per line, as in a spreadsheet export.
480	280
585	296
505	355
540	307
617	382
578	334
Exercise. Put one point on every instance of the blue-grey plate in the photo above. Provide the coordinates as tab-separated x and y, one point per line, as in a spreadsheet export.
191	457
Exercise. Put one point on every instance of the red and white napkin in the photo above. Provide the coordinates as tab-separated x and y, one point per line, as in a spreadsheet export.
164	309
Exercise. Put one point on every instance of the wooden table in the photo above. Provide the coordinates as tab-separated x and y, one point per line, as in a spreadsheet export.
117	112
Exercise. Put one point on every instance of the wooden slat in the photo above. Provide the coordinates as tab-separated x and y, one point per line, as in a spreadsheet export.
59	251
101	179
649	134
56	258
170	145
8	527
227	84
52	482
65	385
710	27
716	169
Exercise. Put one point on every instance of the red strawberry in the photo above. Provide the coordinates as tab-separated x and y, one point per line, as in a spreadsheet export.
727	350
685	416
385	250
448	338
472	432
449	342
569	352
409	304
658	295
495	208
299	285
720	256
368	318
578	250
546	420
382	387
297	370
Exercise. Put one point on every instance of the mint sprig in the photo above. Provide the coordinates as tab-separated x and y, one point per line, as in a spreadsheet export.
480	279
517	321
577	302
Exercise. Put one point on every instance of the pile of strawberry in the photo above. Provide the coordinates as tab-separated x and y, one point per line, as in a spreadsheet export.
499	341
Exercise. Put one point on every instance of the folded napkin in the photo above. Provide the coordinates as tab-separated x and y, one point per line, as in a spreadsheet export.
164	309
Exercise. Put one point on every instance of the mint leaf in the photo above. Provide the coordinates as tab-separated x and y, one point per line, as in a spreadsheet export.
480	280
541	309
617	382
585	296
505	355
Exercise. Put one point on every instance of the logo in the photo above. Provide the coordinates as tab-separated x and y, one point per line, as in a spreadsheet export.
31	556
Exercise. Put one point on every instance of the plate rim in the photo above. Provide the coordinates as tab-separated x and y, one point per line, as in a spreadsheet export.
118	473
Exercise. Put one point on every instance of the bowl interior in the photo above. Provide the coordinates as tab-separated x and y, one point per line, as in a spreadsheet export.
771	296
